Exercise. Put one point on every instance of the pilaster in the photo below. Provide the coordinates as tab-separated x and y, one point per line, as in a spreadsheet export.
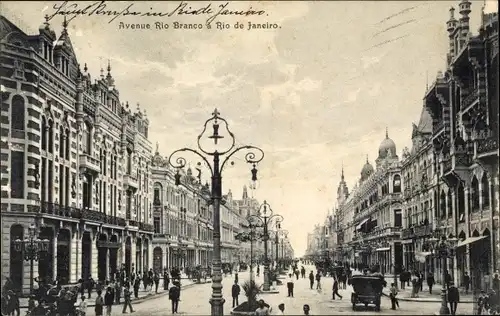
76	261
54	245
93	253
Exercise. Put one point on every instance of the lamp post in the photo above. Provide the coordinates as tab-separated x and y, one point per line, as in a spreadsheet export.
250	236
32	247
265	215
253	156
443	249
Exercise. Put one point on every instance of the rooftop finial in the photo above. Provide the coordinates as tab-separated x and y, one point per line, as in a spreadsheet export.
85	68
65	25
452	13
342	176
367	159
157	147
138	107
386	132
109	67
47	18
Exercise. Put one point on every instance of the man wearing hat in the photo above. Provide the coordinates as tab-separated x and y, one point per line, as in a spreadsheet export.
174	295
453	297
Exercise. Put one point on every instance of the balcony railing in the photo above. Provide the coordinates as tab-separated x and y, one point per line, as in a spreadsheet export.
90	163
146	227
80	214
447	165
486	145
407	233
130	182
471	96
423	230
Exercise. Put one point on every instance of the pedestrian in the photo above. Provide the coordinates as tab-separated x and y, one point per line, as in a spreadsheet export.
420	277
335	289
447	279
99	304
174	295
235	293
290	285
318	280
137	286
258	270
453	297
166	279
430	281
297	273
109	298
306	309
157	282
281	307
263	309
82	307
127	299
402	279
118	292
466	282
311	279
303	272
393	296
90	285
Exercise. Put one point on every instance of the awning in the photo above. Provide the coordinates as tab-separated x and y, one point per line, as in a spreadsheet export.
470	240
420	256
361	224
383	249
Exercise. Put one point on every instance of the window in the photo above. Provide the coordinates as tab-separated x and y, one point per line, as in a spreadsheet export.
68	144
485	190
87	192
156	199
44	134
61	142
17	175
51	137
396	184
474	193
50	185
156	224
86	139
442	204
18	116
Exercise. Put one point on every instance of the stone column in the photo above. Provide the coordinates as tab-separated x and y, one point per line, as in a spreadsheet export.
108	267
76	249
54	244
94	254
468	230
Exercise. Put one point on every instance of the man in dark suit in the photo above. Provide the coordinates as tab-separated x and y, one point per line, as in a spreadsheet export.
453	297
235	293
174	294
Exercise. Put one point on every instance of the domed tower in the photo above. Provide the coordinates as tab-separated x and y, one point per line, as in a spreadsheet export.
367	170
342	190
386	150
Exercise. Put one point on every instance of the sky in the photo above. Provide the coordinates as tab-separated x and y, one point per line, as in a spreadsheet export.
315	94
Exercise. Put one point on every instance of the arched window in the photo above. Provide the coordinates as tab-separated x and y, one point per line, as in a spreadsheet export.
474	194
18	116
51	137
448	203
485	190
396	184
86	139
43	131
461	203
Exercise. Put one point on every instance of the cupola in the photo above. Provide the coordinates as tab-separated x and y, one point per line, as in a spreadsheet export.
386	147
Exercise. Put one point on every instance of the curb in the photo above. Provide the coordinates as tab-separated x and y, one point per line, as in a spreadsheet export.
139	300
426	300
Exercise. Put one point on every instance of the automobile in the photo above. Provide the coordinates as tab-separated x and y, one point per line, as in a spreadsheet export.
367	289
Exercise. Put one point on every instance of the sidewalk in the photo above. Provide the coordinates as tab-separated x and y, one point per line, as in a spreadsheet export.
143	295
425	296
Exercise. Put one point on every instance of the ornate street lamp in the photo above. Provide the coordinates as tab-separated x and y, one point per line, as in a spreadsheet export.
32	247
254	156
265	215
443	249
250	236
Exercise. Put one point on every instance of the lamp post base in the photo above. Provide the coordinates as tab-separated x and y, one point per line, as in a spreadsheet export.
217	306
444	310
266	286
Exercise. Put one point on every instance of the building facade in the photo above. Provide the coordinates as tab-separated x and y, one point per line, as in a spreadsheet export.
183	218
463	104
75	163
420	181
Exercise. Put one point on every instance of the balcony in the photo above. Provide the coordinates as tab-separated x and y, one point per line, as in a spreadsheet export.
59	210
146	227
472	95
438	127
89	164
423	230
486	148
407	233
130	183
